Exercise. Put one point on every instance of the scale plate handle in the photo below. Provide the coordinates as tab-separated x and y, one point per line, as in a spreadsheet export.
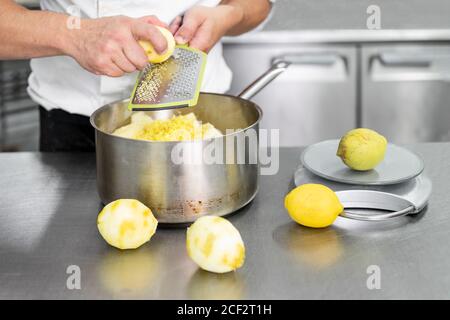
375	200
378	217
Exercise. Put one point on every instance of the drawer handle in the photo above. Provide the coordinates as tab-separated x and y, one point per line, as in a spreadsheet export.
319	59
402	60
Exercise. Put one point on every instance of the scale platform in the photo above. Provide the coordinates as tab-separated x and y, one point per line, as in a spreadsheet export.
399	165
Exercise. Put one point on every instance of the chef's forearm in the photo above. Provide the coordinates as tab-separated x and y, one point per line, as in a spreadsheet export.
28	34
251	14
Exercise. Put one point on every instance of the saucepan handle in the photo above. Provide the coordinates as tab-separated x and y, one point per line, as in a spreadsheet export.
277	68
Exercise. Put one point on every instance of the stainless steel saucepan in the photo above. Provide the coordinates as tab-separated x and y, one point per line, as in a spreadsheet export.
181	192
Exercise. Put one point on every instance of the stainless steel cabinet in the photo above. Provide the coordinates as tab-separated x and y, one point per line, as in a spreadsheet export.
19	116
315	99
406	91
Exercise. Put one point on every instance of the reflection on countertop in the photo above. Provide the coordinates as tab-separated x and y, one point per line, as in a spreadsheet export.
317	248
206	285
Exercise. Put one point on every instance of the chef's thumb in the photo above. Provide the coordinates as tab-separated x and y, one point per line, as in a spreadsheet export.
188	29
145	31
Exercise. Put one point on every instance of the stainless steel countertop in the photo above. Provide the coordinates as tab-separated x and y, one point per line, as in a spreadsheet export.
48	209
319	21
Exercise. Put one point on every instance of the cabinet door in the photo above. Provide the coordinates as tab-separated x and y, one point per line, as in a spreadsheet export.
313	100
406	91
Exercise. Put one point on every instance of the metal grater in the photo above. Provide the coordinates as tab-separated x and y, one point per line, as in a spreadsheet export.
174	83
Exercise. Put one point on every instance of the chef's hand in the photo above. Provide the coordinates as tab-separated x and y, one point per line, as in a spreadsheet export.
109	46
202	27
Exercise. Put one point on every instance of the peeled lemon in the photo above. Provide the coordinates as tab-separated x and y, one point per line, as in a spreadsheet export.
313	205
362	149
126	224
215	245
155	57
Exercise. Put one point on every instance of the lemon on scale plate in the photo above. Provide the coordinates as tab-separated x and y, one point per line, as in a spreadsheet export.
399	165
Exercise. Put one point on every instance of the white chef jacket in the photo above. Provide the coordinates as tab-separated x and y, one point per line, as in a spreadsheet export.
59	82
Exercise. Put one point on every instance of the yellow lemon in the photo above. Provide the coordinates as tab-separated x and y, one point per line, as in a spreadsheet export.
313	205
155	57
215	245
126	224
362	149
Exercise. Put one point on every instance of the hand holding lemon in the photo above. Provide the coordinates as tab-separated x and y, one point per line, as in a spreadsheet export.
109	46
152	54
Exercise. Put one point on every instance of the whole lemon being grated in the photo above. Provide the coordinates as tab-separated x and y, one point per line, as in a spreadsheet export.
178	128
362	149
153	56
215	244
313	205
126	224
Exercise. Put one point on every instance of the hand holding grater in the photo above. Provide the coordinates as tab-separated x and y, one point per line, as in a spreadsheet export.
174	83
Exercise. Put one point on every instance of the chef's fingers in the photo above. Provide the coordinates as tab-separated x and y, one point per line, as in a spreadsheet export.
154	20
112	70
123	62
203	39
191	22
175	24
145	31
136	54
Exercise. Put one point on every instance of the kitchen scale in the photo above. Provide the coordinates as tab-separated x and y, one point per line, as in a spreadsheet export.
396	187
